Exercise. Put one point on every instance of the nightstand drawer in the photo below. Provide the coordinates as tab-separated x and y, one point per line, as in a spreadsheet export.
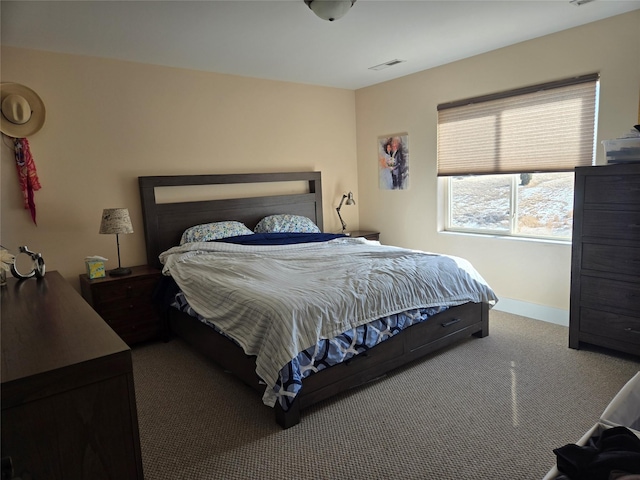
124	291
124	324
126	311
136	332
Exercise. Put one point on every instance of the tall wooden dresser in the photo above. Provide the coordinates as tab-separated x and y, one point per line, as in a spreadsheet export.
68	399
605	269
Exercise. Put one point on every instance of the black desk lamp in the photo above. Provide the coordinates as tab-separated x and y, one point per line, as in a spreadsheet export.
350	201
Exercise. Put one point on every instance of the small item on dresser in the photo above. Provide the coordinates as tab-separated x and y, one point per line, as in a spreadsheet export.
95	266
624	149
37	270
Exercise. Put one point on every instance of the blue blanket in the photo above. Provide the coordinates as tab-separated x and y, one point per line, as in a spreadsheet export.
280	238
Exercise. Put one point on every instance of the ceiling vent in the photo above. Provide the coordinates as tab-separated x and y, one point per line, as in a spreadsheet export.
388	64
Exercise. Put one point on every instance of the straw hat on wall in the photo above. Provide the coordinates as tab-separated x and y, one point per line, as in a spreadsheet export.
22	110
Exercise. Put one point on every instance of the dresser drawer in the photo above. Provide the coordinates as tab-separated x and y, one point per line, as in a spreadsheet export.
612	189
606	324
611	258
616	224
598	292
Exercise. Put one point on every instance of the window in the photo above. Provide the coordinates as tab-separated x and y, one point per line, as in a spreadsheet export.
508	158
533	205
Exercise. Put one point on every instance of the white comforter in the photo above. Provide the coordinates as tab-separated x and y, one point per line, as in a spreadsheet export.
276	301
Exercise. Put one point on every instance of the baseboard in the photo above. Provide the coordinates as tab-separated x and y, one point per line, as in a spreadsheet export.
532	310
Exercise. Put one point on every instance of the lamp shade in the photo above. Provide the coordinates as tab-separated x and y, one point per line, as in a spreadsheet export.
330	9
115	220
350	200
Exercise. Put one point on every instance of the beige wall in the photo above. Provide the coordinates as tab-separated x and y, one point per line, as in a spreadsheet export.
532	272
109	122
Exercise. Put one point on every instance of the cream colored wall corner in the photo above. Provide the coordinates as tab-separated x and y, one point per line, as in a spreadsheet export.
109	122
529	272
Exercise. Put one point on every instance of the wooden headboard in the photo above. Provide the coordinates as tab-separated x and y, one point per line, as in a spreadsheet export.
164	223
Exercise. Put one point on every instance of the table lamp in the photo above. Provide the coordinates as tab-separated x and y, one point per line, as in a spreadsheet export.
116	220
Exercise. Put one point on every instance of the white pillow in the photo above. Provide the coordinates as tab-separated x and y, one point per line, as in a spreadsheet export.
286	223
214	231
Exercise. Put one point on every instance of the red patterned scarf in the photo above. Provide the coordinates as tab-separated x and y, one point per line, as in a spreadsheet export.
27	175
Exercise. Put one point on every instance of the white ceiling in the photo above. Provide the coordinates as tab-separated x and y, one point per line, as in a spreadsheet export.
284	40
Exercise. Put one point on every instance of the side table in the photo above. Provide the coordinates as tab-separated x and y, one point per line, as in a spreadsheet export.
369	235
125	302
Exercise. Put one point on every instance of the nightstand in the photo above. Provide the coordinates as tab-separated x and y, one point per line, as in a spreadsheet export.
125	303
369	235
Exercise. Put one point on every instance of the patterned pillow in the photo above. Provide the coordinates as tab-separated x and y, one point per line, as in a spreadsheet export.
286	224
214	231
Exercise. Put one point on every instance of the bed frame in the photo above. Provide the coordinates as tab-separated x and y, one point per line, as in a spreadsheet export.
164	224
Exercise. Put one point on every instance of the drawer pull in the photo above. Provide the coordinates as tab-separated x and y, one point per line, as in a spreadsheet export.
631	330
450	322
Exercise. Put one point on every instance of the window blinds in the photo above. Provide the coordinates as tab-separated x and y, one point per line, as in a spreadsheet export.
543	128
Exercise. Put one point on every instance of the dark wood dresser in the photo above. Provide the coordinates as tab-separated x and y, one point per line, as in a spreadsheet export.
68	399
605	268
125	303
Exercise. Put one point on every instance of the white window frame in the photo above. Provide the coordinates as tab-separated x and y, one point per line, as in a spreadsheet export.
448	226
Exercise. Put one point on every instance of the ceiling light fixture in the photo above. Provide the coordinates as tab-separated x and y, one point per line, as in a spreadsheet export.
330	9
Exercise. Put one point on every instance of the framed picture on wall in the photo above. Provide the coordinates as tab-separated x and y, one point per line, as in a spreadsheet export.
393	161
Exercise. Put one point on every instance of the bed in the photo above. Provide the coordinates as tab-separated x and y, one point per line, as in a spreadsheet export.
424	330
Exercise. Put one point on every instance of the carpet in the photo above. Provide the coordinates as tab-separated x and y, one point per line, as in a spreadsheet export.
491	408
